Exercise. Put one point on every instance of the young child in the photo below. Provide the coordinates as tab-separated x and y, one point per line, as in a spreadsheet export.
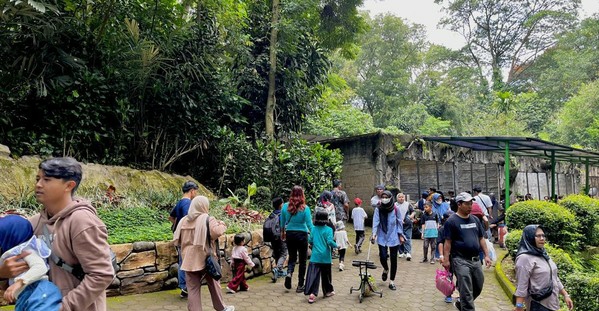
342	242
321	240
358	215
441	244
31	290
325	205
430	231
240	259
279	247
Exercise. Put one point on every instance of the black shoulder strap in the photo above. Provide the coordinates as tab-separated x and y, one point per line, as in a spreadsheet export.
76	270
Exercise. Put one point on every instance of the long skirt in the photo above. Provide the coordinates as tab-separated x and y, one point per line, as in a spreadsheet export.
316	272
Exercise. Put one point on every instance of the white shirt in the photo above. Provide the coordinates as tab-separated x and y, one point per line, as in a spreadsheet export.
341	239
358	215
485	203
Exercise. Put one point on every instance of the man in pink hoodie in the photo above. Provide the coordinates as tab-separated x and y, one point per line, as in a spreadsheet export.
77	237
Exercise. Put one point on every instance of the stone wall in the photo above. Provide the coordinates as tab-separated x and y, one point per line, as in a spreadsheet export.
152	266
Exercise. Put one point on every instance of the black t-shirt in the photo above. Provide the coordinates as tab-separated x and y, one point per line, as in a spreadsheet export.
464	234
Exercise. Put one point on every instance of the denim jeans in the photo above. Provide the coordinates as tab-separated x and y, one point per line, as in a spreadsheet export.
406	247
181	273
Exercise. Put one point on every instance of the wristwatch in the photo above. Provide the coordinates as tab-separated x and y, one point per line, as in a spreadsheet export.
520	305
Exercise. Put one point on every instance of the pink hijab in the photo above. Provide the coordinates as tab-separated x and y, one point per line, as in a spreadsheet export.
198	213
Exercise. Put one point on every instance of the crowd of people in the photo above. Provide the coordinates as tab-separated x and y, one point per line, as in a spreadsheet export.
60	259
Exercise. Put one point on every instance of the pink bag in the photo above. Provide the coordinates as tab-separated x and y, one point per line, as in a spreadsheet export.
444	282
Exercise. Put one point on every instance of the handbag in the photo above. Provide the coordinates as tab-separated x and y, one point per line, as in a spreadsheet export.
444	282
213	267
547	291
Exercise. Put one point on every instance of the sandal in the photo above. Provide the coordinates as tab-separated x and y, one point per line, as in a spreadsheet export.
312	298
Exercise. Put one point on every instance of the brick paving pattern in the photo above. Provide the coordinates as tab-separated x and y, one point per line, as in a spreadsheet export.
415	292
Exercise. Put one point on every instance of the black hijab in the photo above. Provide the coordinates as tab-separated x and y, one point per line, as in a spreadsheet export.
528	244
384	210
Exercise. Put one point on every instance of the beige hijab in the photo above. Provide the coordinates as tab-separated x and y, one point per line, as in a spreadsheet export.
198	213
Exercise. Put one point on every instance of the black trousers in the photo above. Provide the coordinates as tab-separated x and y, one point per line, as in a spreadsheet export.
316	272
341	255
359	238
297	245
385	252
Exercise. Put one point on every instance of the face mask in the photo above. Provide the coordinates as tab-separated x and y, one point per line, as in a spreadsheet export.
385	200
439	201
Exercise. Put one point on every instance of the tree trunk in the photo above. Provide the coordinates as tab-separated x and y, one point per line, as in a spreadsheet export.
271	101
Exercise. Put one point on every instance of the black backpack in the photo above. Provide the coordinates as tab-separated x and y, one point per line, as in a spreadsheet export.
271	230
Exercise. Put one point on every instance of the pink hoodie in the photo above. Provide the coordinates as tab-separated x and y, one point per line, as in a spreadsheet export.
80	237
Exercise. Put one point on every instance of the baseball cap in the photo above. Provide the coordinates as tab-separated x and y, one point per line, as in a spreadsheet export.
358	201
381	186
463	197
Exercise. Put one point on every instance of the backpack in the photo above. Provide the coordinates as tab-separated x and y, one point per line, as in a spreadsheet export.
76	270
271	229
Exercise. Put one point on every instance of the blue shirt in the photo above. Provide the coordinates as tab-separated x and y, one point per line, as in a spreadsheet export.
322	242
301	221
394	228
180	210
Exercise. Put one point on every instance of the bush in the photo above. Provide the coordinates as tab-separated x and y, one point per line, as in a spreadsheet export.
586	210
583	289
512	241
263	199
565	264
559	223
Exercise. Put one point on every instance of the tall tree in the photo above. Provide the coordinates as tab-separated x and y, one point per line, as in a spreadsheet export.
504	34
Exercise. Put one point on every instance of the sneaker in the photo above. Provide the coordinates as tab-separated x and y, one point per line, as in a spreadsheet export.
230	291
392	286
330	294
183	293
432	261
288	281
384	276
401	255
448	300
458	304
341	266
408	257
300	289
229	308
312	298
275	275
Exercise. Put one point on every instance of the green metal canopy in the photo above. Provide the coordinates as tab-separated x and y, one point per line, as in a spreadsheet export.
525	147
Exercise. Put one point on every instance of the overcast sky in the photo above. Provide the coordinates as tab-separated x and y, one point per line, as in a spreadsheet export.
427	13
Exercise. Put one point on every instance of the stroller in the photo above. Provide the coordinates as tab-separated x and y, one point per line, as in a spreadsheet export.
367	285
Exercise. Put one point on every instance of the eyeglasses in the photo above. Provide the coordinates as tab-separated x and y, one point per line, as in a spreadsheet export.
540	236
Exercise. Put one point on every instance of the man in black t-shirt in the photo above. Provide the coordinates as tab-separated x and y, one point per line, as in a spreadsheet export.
463	241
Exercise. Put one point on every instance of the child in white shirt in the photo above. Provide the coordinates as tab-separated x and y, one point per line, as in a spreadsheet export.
342	242
358	215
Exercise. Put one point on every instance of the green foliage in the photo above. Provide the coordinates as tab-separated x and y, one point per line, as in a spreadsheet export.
586	210
512	241
126	225
263	199
577	125
560	224
566	265
583	289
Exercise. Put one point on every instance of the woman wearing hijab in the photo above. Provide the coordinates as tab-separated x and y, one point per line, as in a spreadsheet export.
538	285
191	235
296	221
387	231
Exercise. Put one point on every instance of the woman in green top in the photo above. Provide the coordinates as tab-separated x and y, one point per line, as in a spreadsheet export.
297	221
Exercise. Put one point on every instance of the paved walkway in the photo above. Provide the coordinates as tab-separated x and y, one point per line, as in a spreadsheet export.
415	292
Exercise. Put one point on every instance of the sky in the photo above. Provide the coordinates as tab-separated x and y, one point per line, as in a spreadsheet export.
427	13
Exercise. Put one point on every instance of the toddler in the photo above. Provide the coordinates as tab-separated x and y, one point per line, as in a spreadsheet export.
240	259
342	242
31	290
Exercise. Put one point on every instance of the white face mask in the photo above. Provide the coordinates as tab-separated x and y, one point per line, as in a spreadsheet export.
385	200
439	201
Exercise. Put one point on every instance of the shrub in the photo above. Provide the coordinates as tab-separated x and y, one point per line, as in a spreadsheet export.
565	264
512	241
583	289
263	199
586	210
559	223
